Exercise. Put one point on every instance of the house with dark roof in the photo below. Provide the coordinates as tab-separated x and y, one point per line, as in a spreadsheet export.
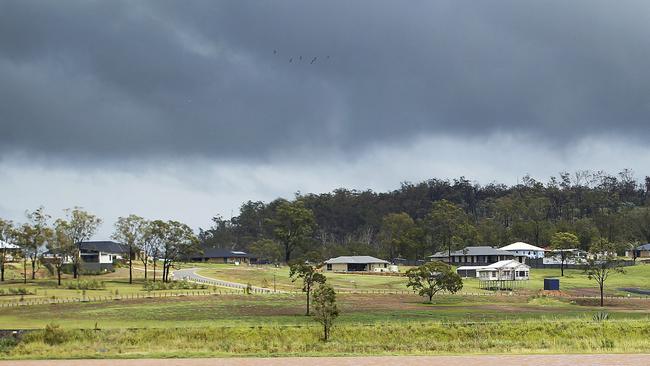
357	263
642	251
477	256
101	255
220	255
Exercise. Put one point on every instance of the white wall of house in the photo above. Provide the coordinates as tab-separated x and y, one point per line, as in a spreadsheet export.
343	267
530	253
502	275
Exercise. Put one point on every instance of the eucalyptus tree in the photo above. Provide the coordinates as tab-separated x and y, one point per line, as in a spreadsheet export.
310	277
601	264
61	247
79	226
8	235
130	231
149	248
449	226
32	237
293	226
325	308
174	240
562	243
433	277
398	234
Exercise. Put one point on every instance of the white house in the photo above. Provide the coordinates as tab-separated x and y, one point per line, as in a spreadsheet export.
509	270
8	250
526	249
359	263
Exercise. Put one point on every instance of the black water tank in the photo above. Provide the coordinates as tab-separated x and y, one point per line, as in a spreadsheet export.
552	284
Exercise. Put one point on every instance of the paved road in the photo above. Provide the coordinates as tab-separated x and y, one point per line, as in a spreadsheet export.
191	275
492	360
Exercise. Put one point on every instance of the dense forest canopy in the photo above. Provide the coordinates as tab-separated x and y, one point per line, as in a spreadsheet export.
419	219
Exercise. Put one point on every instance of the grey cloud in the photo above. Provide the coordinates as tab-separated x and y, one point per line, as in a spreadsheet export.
111	79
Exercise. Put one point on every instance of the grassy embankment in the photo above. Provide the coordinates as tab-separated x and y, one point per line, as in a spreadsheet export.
574	336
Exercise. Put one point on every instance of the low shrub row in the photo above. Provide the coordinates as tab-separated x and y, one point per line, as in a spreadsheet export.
15	291
91	284
174	285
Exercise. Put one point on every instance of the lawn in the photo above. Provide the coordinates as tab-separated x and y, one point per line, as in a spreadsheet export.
288	309
266	276
573	282
45	287
273	325
256	325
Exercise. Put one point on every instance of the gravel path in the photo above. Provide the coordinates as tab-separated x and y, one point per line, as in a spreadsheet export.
492	360
191	275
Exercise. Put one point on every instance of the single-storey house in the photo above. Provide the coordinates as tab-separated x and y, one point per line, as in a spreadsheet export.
220	255
359	263
642	251
477	256
528	250
100	255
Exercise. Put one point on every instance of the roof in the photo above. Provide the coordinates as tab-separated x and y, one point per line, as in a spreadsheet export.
360	259
105	246
480	250
221	253
521	246
643	247
467	268
5	245
507	264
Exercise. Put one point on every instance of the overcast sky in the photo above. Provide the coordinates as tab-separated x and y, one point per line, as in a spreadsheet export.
185	109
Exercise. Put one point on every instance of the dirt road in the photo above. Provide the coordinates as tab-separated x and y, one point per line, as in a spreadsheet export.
492	360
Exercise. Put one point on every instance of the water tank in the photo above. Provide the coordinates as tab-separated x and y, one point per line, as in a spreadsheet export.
552	284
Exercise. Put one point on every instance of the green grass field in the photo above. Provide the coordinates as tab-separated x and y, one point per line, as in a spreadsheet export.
255	325
573	336
574	281
370	323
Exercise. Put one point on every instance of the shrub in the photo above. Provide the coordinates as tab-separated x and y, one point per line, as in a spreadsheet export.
92	284
54	335
600	316
174	285
7	344
15	291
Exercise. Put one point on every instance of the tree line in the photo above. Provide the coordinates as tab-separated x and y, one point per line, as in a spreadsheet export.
57	243
419	219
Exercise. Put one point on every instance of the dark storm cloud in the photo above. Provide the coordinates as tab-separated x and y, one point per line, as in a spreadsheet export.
133	79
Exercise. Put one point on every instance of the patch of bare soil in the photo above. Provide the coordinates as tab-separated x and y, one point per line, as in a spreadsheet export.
619	304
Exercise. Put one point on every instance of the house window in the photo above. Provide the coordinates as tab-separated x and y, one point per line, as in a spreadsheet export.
329	267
